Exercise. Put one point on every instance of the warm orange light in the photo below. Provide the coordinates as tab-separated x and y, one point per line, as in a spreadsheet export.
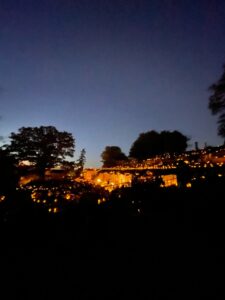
68	196
2	198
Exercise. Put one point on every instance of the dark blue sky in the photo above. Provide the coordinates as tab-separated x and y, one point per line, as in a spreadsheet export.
108	70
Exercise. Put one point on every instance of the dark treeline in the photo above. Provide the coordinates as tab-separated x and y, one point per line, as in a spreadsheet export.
147	145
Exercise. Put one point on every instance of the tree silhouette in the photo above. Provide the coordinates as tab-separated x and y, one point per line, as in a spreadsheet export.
217	102
44	146
146	145
8	174
152	143
112	156
80	162
82	159
173	142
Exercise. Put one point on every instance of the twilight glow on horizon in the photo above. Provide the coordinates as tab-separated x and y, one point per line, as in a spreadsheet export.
107	71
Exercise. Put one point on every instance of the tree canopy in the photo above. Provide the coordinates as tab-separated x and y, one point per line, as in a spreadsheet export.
152	143
44	146
8	174
217	102
112	156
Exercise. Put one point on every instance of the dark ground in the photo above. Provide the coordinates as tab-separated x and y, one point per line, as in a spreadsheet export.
172	249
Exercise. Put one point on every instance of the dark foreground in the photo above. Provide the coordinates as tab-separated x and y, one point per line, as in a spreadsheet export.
169	244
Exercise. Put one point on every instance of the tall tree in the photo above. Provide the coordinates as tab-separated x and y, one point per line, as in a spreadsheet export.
112	156
44	146
217	102
152	143
81	160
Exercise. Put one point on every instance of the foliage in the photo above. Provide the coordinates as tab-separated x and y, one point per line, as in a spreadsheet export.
152	143
8	174
82	159
112	156
44	146
217	102
79	164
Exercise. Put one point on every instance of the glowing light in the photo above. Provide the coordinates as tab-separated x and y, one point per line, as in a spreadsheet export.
188	185
2	198
68	197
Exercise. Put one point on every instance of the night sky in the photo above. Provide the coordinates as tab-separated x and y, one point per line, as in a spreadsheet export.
108	70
